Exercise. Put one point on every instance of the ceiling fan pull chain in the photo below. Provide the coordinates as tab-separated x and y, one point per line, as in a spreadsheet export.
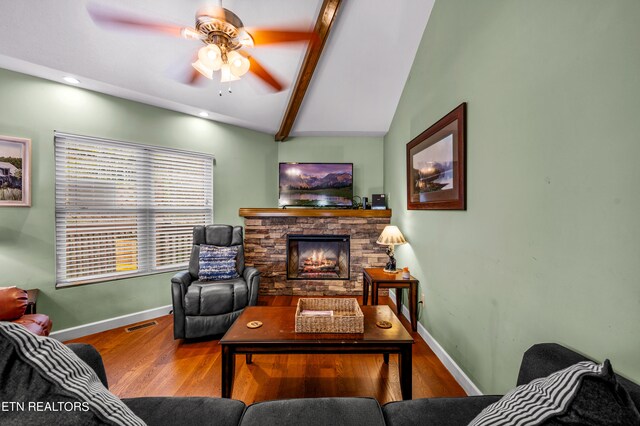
220	91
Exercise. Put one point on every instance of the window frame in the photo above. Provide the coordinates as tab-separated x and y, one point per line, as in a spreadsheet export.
144	228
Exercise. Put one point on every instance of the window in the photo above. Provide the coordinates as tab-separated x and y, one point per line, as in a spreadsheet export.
126	209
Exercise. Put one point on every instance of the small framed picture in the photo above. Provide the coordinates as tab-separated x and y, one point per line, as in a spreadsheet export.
15	172
436	165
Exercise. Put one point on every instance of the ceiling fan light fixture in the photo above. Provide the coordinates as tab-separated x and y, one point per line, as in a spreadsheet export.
226	75
239	65
203	69
210	56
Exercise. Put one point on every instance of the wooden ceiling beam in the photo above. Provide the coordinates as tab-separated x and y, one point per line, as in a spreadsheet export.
326	18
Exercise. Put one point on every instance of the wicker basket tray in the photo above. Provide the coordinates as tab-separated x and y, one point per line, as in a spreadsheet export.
347	316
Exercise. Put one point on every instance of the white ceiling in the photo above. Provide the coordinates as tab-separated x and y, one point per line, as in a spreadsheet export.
355	88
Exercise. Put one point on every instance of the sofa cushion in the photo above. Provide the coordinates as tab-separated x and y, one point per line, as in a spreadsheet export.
547	400
314	412
36	323
599	402
92	358
53	384
180	411
436	411
215	298
13	303
542	359
217	263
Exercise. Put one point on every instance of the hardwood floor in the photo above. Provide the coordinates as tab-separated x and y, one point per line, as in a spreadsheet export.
148	362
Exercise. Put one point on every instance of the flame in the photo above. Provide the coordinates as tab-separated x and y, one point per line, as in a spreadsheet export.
318	258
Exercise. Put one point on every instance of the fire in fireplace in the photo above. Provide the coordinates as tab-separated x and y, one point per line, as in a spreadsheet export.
318	257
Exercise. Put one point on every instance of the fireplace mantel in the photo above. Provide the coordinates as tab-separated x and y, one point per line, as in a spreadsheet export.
298	212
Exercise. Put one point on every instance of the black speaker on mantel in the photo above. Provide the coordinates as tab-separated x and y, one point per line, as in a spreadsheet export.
379	202
365	203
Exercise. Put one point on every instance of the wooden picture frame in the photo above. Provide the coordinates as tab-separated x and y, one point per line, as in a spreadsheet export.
436	167
15	172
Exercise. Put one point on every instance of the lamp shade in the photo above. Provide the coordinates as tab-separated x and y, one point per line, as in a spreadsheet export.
210	56
238	64
203	69
226	75
391	235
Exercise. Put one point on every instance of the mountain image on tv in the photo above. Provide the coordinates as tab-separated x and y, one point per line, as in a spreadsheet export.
316	184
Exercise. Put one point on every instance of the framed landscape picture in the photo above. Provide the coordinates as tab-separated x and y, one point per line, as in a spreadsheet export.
436	165
15	171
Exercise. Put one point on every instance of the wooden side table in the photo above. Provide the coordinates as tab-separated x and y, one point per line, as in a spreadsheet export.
377	279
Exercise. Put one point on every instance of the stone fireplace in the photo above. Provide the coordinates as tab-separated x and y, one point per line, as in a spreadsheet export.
318	257
267	247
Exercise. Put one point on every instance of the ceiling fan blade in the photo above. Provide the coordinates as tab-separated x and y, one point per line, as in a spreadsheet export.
259	71
264	36
109	17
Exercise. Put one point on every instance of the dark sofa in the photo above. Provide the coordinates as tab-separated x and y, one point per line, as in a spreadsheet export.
539	361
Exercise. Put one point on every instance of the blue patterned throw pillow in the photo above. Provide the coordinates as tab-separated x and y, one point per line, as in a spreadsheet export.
218	263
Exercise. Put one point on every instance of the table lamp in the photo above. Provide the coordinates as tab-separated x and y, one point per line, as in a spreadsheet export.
391	236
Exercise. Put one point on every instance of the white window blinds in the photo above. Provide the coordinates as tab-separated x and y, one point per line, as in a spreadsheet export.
126	209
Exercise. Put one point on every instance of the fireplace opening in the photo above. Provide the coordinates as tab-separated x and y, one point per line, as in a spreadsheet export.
318	257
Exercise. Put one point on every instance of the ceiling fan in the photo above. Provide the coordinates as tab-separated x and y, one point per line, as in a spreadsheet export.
224	36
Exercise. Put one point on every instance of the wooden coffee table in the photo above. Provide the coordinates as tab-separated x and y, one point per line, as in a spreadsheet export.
277	336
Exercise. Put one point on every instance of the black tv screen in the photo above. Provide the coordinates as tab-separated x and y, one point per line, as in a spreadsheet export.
316	184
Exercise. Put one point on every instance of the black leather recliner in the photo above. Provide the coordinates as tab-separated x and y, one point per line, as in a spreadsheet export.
209	308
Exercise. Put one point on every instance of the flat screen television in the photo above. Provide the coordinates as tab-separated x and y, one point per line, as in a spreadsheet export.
316	184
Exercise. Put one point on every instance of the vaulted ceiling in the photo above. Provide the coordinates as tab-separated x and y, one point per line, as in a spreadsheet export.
354	90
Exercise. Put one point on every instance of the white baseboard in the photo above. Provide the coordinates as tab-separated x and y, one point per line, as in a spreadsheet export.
109	324
463	380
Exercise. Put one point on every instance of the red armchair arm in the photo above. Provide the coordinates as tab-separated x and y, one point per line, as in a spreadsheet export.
13	303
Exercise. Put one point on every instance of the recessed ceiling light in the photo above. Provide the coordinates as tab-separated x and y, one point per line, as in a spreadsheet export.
71	80
203	114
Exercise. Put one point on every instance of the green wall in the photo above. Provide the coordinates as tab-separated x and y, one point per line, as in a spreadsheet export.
245	169
364	152
245	175
549	247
